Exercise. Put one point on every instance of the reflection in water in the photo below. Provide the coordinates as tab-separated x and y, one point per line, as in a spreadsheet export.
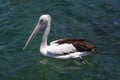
64	66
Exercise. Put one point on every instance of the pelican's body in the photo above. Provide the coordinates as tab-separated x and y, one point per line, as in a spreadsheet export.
62	48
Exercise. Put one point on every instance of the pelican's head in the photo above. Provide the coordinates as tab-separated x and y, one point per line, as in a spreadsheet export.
43	22
45	19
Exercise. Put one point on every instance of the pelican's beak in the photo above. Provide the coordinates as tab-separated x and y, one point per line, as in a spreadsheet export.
35	31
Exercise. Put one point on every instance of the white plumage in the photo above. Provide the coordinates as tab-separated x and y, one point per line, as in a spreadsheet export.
62	48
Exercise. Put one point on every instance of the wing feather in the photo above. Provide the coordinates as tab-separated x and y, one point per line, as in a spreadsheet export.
62	49
55	42
80	44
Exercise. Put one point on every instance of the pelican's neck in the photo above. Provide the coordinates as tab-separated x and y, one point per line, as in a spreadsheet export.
44	39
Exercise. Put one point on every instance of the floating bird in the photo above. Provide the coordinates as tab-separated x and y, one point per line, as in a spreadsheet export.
67	48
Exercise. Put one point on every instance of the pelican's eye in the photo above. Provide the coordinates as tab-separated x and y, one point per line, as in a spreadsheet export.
41	20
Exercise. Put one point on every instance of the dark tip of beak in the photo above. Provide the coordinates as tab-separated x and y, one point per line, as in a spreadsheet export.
24	48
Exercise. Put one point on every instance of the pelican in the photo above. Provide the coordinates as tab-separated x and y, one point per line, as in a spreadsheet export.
67	48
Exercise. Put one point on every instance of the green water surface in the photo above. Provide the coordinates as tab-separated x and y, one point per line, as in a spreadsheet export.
97	21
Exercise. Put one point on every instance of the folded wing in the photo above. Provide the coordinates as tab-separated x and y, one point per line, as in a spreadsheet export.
70	45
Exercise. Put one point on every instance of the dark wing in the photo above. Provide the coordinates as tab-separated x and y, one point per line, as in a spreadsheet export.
80	44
